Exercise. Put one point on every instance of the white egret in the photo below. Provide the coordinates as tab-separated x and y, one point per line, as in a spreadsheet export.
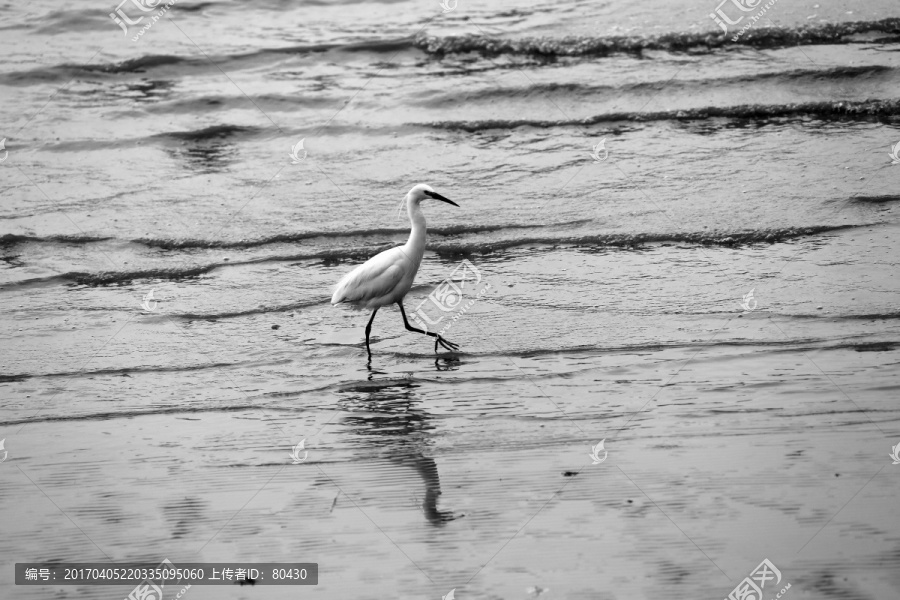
385	278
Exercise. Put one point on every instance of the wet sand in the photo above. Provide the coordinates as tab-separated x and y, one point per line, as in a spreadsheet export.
741	455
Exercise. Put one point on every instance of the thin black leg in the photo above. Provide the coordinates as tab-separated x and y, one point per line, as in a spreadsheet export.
437	338
369	329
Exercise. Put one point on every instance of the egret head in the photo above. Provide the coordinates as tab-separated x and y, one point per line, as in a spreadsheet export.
420	192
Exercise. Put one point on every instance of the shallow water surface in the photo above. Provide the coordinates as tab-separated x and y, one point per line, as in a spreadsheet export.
711	292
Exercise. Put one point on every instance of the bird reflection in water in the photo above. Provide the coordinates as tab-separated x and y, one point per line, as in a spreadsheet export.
445	363
389	415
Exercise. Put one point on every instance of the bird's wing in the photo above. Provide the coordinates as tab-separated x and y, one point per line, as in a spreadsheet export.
374	278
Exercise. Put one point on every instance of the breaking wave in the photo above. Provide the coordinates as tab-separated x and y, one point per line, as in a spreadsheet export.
538	47
867	110
761	37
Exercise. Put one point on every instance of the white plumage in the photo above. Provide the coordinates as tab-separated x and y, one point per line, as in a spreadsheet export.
386	277
375	282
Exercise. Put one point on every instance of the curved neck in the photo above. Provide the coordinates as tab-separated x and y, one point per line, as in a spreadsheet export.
417	224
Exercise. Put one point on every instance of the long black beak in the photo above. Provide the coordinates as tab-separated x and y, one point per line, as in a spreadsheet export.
437	196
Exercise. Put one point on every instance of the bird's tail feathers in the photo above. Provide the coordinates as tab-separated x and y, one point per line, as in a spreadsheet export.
340	290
